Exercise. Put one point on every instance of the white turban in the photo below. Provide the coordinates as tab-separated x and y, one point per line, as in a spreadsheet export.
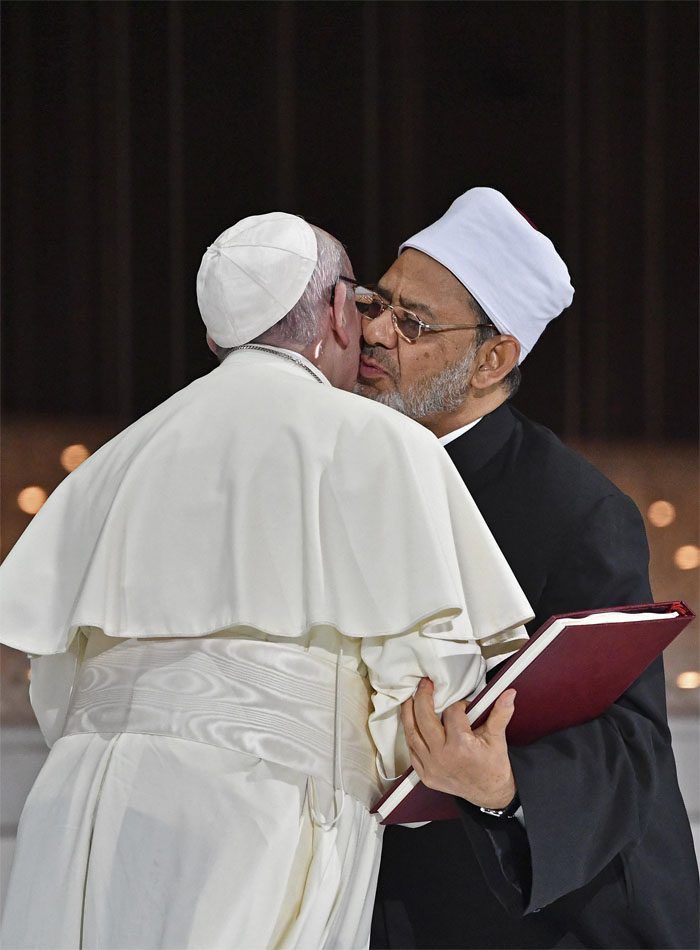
508	266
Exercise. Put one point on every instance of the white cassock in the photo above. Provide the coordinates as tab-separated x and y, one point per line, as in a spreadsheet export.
226	605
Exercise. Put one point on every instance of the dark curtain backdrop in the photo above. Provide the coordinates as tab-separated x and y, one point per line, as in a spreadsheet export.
133	133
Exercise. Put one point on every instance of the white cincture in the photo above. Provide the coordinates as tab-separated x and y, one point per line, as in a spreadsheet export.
338	785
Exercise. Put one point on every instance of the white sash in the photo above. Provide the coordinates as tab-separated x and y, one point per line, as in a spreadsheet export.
271	700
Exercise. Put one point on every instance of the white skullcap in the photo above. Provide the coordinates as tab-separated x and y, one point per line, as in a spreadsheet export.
253	274
508	266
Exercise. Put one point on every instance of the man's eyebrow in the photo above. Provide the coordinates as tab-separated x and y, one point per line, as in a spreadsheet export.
408	304
416	305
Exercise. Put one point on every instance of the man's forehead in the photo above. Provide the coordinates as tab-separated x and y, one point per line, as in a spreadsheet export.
415	278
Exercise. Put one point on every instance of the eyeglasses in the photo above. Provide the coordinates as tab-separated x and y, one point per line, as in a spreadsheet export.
407	325
349	280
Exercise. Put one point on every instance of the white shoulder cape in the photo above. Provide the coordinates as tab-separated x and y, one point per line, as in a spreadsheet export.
257	496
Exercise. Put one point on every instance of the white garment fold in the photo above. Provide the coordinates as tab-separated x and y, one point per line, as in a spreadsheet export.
199	797
257	497
167	843
274	701
196	596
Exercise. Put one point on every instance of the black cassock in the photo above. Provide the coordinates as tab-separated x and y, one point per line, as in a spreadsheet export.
607	859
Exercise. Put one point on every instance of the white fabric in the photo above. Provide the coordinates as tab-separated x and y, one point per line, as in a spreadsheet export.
273	700
294	356
512	269
451	436
258	497
260	503
180	757
253	274
144	842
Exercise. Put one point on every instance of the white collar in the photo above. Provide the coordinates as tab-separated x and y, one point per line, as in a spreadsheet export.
290	356
451	436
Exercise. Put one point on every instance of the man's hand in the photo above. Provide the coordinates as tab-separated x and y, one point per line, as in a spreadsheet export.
451	757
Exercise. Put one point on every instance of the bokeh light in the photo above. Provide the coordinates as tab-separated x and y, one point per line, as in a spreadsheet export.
687	557
661	513
31	498
690	679
73	455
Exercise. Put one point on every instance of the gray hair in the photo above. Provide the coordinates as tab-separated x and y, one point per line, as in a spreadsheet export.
444	392
513	379
302	325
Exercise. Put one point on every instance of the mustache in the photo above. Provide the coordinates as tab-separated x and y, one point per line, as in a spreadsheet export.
379	355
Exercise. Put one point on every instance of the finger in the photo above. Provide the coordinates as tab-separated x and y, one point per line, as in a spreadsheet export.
414	740
455	720
428	722
500	716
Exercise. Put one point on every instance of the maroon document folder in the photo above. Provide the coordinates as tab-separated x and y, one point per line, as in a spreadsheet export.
561	681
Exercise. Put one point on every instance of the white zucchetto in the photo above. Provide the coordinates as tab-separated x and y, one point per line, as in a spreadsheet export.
508	266
253	274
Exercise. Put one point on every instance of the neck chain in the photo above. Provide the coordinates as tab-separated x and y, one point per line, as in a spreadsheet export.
284	356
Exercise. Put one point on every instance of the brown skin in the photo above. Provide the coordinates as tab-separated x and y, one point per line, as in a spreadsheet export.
446	754
451	757
420	284
336	351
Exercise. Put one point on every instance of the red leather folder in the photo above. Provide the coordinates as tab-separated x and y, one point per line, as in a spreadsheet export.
566	674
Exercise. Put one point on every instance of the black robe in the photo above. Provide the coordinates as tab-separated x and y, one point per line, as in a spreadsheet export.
607	857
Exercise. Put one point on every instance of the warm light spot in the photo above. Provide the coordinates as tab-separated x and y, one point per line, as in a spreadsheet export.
31	499
28	675
687	557
73	455
688	680
661	514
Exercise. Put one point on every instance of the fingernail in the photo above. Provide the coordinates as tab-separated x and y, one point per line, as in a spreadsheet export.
510	697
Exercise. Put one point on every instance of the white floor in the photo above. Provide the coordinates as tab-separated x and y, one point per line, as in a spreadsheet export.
22	753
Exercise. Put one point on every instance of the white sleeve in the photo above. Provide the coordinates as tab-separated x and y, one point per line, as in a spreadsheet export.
395	666
51	687
500	646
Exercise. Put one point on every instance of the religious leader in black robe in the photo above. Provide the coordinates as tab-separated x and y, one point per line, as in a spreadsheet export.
605	857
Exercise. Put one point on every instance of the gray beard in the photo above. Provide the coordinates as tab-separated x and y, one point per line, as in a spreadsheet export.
442	393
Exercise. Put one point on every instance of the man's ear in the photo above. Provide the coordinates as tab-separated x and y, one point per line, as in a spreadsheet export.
338	321
211	344
494	360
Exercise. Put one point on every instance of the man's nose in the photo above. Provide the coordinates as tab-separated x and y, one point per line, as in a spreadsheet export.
380	331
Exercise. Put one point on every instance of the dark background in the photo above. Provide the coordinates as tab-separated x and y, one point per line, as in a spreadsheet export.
134	133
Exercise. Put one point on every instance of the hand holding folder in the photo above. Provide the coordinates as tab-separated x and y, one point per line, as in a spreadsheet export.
570	671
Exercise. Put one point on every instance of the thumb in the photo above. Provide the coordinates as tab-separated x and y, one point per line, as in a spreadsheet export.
500	716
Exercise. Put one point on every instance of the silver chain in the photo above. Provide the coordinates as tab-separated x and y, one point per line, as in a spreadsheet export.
284	356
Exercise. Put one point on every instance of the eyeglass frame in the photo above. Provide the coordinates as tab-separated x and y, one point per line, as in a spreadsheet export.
422	325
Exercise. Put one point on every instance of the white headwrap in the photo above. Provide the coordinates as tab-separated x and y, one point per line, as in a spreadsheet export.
508	266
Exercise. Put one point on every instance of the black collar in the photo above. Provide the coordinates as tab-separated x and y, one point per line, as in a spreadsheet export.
473	450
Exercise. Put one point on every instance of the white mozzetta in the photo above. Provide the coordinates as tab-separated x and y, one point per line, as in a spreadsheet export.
235	502
257	498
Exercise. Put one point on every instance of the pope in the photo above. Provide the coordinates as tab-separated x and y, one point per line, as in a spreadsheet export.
226	606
